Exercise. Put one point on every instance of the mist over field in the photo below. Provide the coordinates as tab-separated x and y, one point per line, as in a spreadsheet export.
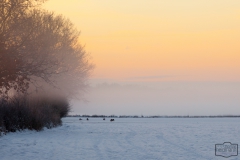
160	98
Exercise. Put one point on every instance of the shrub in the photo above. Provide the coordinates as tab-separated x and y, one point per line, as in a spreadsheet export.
33	113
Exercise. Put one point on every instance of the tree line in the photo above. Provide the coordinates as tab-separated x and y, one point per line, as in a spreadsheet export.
155	116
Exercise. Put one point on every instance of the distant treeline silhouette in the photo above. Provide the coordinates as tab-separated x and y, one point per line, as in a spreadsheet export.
156	116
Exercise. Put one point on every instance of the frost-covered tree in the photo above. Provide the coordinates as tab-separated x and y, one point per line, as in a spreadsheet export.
37	47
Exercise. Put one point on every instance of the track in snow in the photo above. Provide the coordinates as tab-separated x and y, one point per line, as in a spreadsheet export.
126	138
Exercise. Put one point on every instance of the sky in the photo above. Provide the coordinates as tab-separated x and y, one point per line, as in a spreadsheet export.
158	57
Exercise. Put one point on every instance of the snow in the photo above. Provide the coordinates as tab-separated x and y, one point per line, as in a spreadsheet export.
125	138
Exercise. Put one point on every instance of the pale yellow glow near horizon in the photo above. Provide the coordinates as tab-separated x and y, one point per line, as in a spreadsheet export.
185	39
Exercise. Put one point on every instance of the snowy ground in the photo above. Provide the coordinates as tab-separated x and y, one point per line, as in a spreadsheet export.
139	138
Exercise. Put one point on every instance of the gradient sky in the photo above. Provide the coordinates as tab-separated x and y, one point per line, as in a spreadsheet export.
180	46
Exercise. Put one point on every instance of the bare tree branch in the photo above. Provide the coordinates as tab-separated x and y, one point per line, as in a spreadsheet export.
37	44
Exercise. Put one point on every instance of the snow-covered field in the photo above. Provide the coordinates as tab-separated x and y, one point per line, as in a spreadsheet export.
126	138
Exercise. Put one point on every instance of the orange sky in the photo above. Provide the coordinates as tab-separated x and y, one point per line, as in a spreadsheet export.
174	40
